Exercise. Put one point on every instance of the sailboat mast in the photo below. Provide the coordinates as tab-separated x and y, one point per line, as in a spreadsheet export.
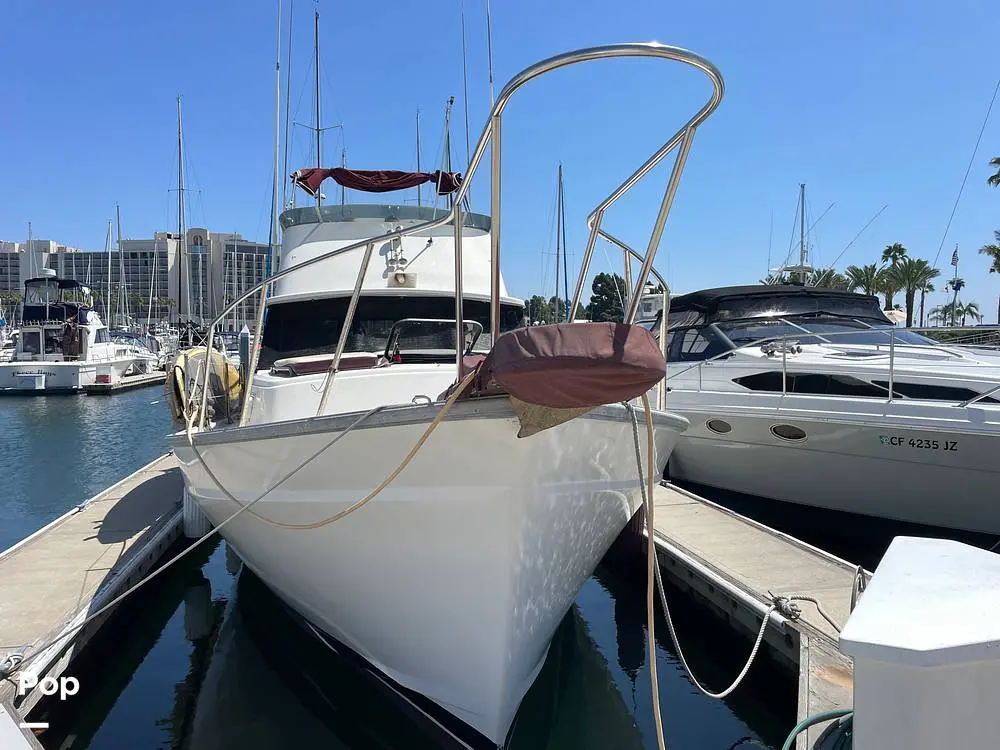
182	291
555	312
447	144
319	130
122	300
562	201
107	300
273	234
802	232
288	105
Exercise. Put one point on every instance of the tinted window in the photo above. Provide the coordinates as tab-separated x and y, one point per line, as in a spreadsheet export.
313	326
31	342
813	383
696	344
53	341
101	336
933	392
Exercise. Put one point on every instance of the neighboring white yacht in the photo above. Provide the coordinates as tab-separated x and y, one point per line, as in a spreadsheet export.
62	344
812	396
500	461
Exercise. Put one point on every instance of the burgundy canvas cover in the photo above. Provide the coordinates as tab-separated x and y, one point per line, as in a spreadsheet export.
375	180
572	365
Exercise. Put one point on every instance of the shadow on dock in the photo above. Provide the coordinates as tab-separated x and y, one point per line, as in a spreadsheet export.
141	507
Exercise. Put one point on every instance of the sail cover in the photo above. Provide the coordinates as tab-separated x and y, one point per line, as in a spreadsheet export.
375	180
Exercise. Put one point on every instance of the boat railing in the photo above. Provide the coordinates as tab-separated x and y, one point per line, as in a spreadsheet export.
491	137
791	344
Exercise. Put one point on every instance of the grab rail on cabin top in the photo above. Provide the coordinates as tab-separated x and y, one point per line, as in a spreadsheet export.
491	135
772	344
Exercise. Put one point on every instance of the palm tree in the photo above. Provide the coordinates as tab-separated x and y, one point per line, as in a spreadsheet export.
969	309
993	250
994	179
866	278
828	278
910	275
924	290
941	313
892	255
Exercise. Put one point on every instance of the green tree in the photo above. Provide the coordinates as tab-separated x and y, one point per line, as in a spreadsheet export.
992	251
910	275
892	255
606	300
538	309
924	290
828	278
994	179
968	310
866	278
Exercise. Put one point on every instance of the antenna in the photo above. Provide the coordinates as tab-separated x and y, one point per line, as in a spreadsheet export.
419	202
319	130
288	105
465	88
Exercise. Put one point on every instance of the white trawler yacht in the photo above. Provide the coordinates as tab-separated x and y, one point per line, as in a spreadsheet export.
812	396
431	481
63	345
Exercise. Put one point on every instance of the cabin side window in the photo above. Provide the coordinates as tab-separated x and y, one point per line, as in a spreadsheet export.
31	342
101	336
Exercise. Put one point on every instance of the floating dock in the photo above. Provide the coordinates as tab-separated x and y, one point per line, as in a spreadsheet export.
127	383
737	567
53	579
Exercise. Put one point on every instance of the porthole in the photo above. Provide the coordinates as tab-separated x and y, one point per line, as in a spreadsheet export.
787	432
719	426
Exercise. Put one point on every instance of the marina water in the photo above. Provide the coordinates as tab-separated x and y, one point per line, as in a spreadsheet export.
207	657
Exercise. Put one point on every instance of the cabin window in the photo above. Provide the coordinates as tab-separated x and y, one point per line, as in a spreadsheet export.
817	384
101	336
696	344
53	341
31	342
295	329
931	392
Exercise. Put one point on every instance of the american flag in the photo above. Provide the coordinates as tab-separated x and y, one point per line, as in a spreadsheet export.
954	257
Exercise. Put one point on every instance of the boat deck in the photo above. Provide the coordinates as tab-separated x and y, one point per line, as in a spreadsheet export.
736	564
79	562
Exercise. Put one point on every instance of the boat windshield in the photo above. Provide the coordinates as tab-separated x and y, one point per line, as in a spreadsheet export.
826	331
296	329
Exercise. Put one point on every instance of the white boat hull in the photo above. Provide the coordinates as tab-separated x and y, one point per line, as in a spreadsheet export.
454	578
59	376
903	470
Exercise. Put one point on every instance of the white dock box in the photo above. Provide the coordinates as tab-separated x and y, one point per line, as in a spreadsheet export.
925	638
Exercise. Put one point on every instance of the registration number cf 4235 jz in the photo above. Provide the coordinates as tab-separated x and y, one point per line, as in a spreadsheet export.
921	443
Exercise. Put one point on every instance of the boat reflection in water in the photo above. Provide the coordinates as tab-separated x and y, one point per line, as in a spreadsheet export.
267	686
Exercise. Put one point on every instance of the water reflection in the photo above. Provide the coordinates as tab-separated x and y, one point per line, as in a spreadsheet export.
212	659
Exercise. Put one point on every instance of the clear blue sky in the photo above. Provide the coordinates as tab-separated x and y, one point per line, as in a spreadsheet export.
867	103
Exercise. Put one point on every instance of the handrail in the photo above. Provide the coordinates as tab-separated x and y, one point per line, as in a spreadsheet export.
794	338
491	135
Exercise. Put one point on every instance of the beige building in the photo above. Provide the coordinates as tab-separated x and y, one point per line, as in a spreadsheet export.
144	279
